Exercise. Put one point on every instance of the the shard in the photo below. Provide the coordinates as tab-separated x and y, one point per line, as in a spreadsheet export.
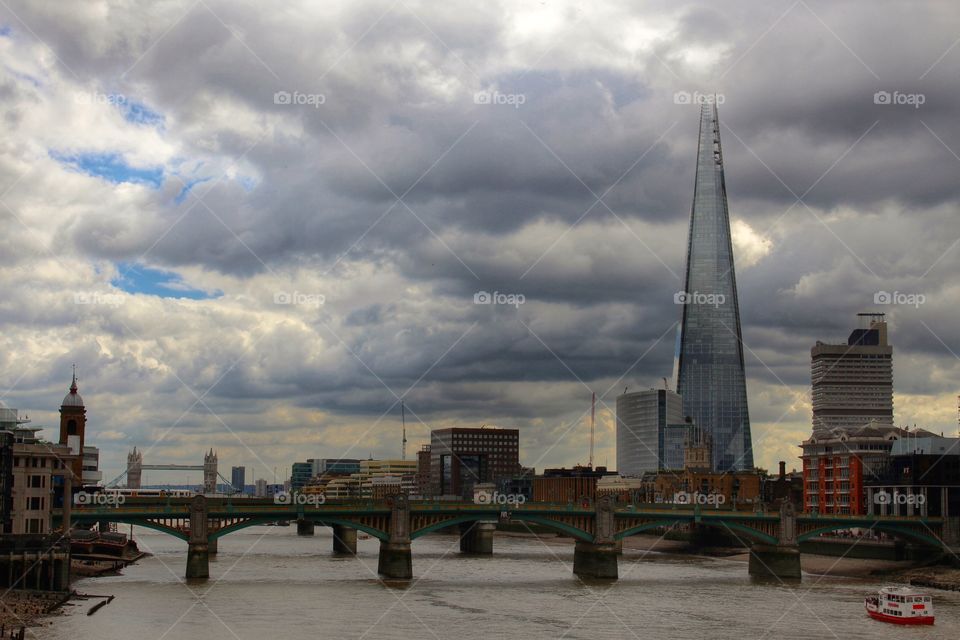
710	368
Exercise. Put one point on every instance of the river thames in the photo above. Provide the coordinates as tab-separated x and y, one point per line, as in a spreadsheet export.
267	583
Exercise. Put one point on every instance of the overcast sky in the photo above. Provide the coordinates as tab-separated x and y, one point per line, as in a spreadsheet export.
258	229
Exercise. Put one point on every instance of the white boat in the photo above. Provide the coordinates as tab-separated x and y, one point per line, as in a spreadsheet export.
900	605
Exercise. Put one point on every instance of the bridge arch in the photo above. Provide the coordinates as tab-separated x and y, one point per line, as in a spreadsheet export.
560	527
327	521
906	532
754	534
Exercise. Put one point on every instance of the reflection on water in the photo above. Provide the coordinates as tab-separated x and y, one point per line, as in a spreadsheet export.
267	583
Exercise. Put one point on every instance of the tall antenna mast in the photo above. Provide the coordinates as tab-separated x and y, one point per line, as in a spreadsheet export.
403	446
593	424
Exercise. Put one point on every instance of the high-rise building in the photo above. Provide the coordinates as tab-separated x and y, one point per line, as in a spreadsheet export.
238	478
853	381
461	457
710	372
643	442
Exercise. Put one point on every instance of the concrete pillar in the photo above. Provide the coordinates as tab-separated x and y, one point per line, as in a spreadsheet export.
477	537
395	559
775	561
198	560
304	527
198	556
344	540
597	561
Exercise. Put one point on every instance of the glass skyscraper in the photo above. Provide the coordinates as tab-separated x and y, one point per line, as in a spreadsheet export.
710	375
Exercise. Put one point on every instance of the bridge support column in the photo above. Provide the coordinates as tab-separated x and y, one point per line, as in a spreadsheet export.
198	560
598	561
212	546
775	561
477	538
395	559
344	540
782	560
304	527
198	553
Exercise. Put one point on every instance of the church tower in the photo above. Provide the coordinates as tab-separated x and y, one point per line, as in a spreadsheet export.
73	423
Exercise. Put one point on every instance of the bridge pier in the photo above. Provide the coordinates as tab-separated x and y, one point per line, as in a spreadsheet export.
395	560
212	545
198	551
781	560
305	527
477	538
598	561
198	560
344	540
775	561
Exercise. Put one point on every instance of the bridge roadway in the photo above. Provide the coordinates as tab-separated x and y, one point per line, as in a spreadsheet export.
772	536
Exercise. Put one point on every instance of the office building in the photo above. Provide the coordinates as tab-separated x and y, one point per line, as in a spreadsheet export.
646	441
837	463
300	475
238	478
564	486
460	457
921	477
853	381
710	365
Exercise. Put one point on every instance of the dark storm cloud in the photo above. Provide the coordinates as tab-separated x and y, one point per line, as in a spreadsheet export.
497	198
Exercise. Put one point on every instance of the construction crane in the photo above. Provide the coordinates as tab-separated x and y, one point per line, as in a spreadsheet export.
593	425
403	444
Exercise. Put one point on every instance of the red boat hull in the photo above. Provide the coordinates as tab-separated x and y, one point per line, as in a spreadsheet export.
876	615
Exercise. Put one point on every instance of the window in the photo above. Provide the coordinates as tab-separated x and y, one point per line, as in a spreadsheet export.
35	482
35	503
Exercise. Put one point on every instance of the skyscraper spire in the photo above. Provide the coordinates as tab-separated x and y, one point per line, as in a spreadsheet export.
711	376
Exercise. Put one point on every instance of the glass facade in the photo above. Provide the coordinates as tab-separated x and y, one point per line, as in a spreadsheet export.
642	420
711	377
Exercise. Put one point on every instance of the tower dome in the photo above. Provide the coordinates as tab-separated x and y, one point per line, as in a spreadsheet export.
72	399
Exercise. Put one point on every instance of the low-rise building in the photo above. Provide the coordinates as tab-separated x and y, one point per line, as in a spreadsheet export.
837	462
568	485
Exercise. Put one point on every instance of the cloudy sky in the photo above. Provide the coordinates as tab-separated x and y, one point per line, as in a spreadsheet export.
258	229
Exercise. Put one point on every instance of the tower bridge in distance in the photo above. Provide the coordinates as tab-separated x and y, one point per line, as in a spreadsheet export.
598	529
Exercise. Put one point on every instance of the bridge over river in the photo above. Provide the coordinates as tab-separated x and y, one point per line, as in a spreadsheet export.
772	536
